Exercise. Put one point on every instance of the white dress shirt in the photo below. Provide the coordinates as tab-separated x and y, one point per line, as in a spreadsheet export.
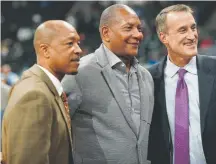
54	80
191	79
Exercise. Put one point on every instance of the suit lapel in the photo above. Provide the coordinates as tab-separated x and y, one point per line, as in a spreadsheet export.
40	73
164	115
205	80
111	79
161	102
37	71
61	106
145	113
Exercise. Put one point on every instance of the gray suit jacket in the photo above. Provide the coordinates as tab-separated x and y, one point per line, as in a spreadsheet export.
103	130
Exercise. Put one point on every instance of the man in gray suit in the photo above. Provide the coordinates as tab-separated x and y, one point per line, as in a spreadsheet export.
111	98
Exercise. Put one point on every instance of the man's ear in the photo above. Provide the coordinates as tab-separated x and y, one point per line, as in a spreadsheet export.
44	50
163	38
105	33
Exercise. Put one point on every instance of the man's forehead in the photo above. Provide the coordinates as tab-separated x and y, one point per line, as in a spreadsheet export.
177	16
126	11
70	36
73	35
131	20
179	19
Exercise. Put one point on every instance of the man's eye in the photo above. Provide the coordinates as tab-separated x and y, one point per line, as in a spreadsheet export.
128	28
70	43
194	27
140	29
182	30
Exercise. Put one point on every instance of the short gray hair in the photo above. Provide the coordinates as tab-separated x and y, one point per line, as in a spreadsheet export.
160	21
108	16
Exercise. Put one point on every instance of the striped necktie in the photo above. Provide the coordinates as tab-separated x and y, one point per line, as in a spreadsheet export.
65	101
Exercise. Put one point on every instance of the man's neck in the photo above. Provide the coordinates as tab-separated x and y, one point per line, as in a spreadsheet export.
127	60
179	61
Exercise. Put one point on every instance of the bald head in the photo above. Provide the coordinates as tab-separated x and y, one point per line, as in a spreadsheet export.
56	44
48	31
111	14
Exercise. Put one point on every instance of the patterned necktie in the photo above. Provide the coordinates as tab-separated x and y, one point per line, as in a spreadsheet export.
65	101
181	121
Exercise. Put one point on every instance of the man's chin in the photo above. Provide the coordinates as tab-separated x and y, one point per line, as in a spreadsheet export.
132	54
192	54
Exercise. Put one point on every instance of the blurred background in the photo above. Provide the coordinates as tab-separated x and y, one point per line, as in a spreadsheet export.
19	19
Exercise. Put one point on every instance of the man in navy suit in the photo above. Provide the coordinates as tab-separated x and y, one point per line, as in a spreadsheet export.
183	128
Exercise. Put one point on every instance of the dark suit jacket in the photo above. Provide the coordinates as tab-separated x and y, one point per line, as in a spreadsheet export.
160	142
34	129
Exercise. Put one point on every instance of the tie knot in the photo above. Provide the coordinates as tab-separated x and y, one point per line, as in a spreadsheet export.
181	73
64	97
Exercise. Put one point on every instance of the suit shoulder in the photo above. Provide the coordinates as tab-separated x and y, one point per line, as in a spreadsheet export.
208	61
205	57
144	70
27	91
88	59
87	63
153	69
29	84
32	82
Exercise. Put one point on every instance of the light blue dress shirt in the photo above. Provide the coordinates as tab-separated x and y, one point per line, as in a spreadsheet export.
191	79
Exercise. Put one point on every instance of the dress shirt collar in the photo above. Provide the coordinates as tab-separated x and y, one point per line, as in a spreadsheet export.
112	58
116	62
171	69
54	80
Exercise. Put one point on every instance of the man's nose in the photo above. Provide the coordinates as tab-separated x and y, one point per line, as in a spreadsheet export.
78	50
138	34
192	35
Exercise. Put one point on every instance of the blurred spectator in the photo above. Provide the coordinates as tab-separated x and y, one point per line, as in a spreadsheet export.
206	43
10	77
5	90
5	46
24	33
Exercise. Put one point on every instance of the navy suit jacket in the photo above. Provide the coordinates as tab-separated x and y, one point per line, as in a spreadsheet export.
160	149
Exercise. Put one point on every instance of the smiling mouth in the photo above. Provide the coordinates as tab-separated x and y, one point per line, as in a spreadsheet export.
190	44
134	44
75	60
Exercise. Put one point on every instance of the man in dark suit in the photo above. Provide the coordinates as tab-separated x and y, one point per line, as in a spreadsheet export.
36	125
184	117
